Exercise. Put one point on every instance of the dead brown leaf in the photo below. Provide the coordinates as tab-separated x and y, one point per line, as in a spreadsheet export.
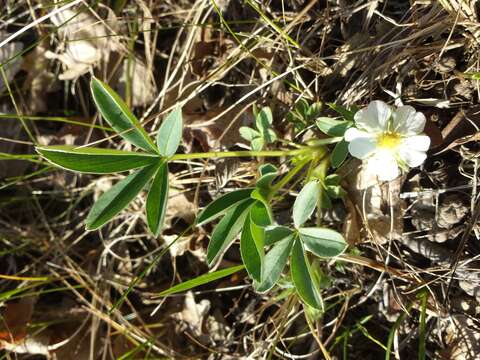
16	317
374	202
221	132
85	41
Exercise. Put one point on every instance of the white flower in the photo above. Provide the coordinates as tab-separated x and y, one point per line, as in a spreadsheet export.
387	138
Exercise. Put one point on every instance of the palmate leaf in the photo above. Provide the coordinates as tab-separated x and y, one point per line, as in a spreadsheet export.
95	160
157	200
302	277
170	133
116	113
220	205
323	242
227	229
305	203
118	197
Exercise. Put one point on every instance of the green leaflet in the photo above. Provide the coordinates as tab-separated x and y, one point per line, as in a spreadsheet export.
220	205
305	203
118	197
257	144
302	277
264	119
157	200
323	242
348	114
263	134
260	214
276	233
268	173
170	133
339	153
227	229
201	280
333	127
274	262
259	219
332	180
248	133
95	160
116	113
252	241
251	256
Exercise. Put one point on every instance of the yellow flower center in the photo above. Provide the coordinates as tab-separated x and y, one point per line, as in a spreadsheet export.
389	140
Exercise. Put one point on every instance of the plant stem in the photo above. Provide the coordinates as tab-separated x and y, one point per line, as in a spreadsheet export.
229	154
29	157
283	181
321	152
321	171
315	146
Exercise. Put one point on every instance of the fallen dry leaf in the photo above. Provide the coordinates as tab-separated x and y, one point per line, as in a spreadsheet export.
193	314
222	132
374	202
84	41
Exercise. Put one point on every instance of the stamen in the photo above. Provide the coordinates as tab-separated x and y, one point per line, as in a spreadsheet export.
389	140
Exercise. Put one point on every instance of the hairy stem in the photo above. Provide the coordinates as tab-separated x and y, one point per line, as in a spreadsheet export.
229	154
316	146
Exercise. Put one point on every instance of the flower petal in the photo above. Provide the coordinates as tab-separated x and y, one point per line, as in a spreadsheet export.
417	142
407	121
362	147
384	165
374	117
412	157
353	133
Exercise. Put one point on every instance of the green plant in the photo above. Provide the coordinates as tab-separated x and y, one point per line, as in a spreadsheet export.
303	114
265	246
263	133
151	166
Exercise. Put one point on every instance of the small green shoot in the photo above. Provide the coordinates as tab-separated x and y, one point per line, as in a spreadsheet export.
263	133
